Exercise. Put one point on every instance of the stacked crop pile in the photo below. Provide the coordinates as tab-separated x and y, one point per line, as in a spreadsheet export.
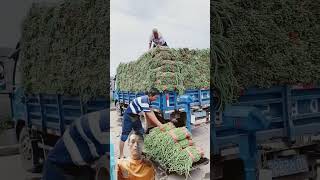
173	148
166	69
65	48
259	43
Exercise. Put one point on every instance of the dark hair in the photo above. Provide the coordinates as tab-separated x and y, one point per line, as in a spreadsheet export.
153	92
136	133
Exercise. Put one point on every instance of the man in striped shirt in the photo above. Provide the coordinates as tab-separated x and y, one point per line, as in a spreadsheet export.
82	144
131	117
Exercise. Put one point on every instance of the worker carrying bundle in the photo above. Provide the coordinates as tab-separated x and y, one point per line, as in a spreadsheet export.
131	117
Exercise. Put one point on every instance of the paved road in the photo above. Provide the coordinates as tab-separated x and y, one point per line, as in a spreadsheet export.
11	169
201	136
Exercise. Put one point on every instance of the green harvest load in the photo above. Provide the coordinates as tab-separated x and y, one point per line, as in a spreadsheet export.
173	149
65	48
258	43
166	69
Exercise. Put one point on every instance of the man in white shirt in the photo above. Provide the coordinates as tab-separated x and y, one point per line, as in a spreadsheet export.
157	39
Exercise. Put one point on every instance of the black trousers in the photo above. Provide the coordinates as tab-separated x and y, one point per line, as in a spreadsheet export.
165	44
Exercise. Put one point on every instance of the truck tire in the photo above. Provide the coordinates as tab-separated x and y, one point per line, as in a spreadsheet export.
26	150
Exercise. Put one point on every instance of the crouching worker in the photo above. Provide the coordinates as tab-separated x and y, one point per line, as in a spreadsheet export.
131	117
82	144
135	168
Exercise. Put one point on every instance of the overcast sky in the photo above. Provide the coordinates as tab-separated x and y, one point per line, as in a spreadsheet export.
12	13
183	23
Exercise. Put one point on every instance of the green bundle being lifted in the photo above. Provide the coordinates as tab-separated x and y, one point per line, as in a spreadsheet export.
166	69
176	153
179	134
258	43
185	143
65	48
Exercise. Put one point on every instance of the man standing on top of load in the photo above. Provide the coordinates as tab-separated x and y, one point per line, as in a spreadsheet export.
157	39
131	117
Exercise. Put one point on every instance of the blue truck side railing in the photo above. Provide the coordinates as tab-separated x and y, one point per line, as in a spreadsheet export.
171	101
292	111
53	113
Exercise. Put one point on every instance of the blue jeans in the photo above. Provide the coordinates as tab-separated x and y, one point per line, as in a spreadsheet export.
130	122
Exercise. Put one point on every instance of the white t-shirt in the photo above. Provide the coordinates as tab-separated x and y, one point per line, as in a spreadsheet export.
159	41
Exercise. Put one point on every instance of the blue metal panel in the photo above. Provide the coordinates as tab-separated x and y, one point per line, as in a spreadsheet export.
55	111
27	114
61	115
293	112
19	105
168	101
42	112
205	97
165	103
289	127
195	95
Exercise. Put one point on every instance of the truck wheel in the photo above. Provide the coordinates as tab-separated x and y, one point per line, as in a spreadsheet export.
26	151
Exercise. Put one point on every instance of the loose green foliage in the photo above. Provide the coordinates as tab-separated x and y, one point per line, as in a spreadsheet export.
166	69
185	143
65	48
174	154
259	43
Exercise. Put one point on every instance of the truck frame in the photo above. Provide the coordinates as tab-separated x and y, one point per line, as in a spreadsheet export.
184	109
287	147
41	119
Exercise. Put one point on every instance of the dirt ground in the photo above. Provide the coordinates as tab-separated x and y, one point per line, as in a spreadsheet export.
201	136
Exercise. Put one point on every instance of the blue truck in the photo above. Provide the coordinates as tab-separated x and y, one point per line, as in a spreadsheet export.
41	119
270	133
184	110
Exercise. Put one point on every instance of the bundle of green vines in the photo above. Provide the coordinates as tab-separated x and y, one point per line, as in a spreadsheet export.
65	48
166	69
258	43
173	149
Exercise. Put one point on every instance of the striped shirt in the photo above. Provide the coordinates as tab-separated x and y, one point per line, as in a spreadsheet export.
85	141
138	105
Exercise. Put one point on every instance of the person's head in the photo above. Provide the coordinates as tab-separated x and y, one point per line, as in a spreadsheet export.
135	143
153	94
155	32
